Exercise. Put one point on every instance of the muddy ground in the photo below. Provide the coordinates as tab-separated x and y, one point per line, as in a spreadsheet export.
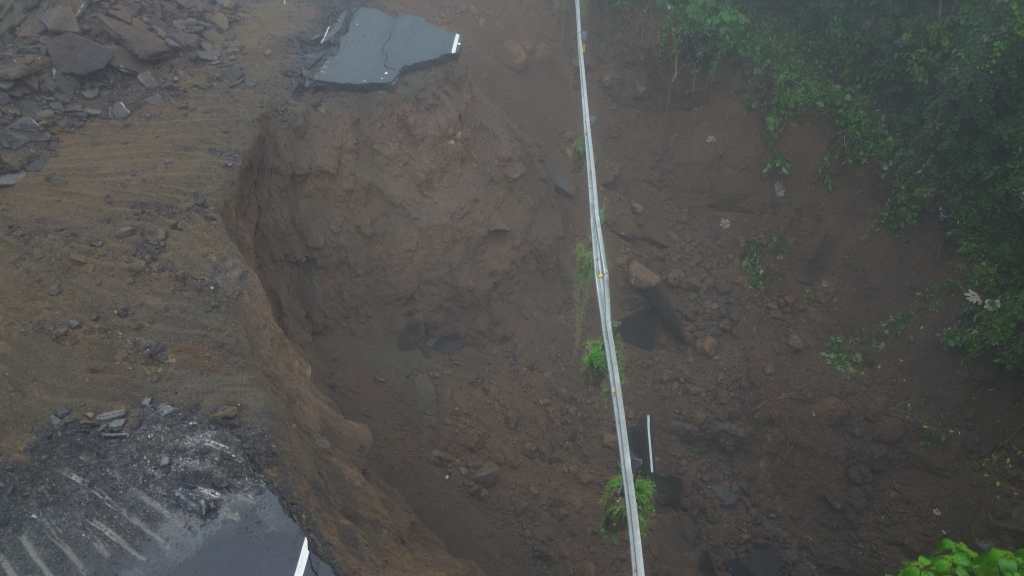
385	282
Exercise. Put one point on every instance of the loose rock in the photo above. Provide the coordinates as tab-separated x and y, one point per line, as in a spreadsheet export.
111	415
796	343
642	277
225	413
487	475
148	79
22	66
74	54
515	56
61	17
219	20
120	111
709	346
136	38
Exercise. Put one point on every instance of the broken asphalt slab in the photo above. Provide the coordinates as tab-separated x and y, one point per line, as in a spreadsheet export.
172	495
378	47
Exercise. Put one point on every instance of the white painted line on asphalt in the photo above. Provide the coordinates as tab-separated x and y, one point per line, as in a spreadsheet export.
8	569
67	550
34	555
300	568
116	539
455	43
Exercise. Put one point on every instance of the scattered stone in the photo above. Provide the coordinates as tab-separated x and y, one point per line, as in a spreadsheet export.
22	131
487	475
642	277
889	430
165	461
90	92
859	474
830	409
147	402
225	413
440	457
219	20
148	79
125	232
60	332
210	55
126	62
55	289
136	38
779	188
154	100
22	66
62	412
514	170
55	421
8	180
165	410
75	54
796	343
637	208
61	17
111	415
119	111
74	324
116	425
514	55
609	440
709	346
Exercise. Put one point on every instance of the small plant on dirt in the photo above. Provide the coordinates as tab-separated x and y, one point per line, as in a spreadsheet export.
583	276
579	148
755	252
614	504
958	559
595	363
842	355
777	166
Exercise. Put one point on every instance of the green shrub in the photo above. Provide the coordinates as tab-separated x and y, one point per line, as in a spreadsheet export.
930	93
595	363
842	355
614	505
957	559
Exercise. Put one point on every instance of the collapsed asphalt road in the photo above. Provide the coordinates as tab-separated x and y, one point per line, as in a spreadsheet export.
149	492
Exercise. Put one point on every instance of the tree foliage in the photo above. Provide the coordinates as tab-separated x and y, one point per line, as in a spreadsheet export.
930	91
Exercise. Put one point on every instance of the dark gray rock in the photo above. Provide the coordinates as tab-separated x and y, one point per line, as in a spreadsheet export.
148	79
22	131
165	410
120	111
487	475
61	17
138	39
12	12
727	493
75	54
8	180
111	415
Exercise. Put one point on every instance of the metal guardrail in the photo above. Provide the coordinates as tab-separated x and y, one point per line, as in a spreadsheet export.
605	308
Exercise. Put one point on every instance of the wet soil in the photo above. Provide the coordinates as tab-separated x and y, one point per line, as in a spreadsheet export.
390	290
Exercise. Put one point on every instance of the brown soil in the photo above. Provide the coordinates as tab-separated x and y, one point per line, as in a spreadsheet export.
401	310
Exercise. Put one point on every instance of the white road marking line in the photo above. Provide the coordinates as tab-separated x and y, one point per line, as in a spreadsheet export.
34	555
8	569
109	502
455	43
300	568
56	539
152	503
116	539
100	547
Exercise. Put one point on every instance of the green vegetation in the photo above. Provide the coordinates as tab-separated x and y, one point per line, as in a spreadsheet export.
584	282
614	505
755	253
595	363
929	92
842	355
957	559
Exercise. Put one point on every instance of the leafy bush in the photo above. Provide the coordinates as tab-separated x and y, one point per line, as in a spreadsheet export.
929	92
614	505
842	355
957	559
595	363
